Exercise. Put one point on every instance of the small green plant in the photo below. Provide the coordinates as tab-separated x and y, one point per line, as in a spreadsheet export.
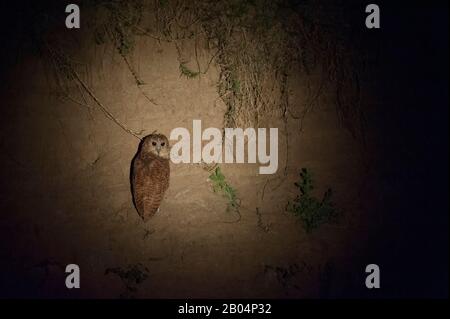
235	86
185	71
312	212
220	185
132	276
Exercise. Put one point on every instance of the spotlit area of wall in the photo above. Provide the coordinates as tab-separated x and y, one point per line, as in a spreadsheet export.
361	150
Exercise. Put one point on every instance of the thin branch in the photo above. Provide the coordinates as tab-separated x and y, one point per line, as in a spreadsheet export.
102	107
71	99
210	61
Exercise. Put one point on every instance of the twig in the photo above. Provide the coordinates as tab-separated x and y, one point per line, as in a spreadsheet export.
210	61
71	99
265	228
102	107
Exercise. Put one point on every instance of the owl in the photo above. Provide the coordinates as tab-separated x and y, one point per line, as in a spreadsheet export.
149	174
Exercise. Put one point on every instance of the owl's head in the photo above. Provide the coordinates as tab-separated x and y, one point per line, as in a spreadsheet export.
156	144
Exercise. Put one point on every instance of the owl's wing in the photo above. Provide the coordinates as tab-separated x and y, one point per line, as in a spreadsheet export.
166	175
150	181
136	188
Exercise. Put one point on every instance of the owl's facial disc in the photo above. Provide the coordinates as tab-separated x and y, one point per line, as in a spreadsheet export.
158	145
163	149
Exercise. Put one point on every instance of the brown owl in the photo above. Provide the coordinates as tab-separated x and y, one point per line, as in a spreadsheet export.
150	173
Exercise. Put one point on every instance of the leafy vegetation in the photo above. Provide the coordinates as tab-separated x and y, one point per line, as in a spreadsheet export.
188	73
220	185
312	211
257	47
131	276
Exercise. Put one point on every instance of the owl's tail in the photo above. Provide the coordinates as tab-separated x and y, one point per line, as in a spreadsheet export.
147	207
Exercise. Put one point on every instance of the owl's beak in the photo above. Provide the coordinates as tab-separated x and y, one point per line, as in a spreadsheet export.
158	148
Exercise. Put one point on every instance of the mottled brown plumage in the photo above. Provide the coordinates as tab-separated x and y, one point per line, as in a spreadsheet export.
150	171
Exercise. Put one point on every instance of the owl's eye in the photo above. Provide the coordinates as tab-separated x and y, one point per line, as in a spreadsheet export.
154	143
163	143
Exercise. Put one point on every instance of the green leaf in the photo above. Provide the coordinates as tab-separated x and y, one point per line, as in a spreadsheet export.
311	211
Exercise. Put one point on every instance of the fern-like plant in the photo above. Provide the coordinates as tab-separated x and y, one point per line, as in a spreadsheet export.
220	185
312	211
188	73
